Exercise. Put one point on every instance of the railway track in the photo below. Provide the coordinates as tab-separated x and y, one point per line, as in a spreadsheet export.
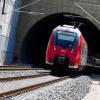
13	87
10	73
35	84
19	68
19	72
21	77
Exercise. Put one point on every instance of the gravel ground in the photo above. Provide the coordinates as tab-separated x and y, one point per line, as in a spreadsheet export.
70	89
17	84
6	74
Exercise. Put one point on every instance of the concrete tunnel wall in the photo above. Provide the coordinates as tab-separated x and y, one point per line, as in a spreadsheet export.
34	29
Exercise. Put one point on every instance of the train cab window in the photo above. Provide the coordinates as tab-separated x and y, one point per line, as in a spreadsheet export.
65	39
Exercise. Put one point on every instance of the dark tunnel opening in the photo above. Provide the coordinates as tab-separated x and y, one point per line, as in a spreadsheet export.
35	43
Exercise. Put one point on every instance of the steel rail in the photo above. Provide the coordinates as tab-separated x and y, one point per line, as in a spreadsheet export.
22	77
29	88
19	68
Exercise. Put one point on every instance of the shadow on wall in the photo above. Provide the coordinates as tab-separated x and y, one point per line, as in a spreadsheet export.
35	43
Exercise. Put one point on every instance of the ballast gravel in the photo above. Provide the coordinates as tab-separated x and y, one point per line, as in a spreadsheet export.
7	74
69	89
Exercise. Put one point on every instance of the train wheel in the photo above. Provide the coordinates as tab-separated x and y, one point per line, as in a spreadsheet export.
55	69
73	70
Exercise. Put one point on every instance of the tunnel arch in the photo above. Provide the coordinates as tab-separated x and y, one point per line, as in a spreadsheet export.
34	46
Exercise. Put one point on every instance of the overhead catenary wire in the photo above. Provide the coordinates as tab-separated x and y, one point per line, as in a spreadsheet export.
86	3
29	12
21	11
18	11
32	3
76	16
87	13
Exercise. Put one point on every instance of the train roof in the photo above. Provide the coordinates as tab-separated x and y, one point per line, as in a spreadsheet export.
68	28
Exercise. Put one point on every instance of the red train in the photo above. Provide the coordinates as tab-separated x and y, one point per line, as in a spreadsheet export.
67	47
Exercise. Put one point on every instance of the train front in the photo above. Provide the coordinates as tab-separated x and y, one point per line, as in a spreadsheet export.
63	47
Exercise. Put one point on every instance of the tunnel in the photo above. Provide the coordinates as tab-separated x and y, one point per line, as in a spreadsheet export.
35	42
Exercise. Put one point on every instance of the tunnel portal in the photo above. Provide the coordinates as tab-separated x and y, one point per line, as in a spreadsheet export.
35	43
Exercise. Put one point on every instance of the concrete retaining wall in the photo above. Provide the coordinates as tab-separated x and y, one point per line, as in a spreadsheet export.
8	23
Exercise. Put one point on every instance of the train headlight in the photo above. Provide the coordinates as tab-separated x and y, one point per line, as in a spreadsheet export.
72	51
54	48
